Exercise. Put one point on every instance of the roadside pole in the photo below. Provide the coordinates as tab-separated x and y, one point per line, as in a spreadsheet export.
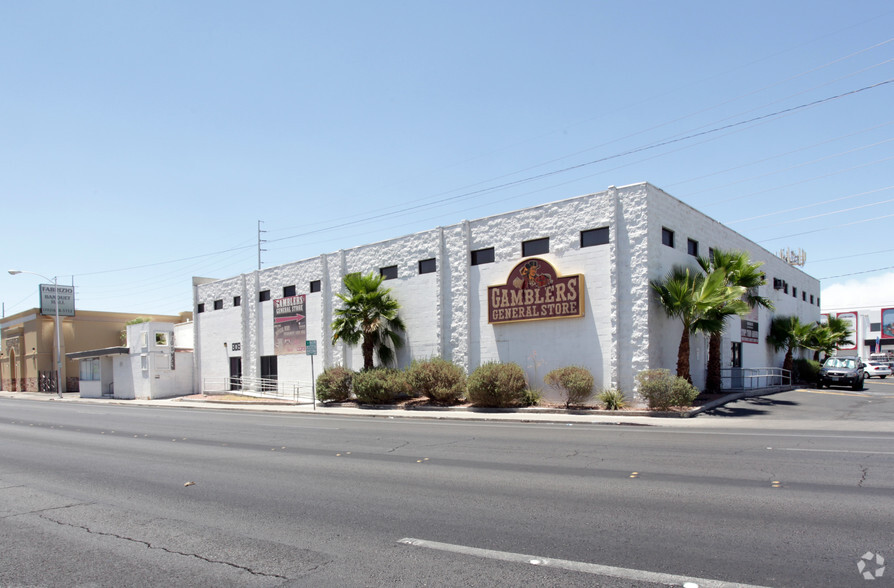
311	350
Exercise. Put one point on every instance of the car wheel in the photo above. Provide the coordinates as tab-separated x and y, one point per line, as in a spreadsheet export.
883	377
858	385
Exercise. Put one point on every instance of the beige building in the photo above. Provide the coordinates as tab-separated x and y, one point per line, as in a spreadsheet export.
27	345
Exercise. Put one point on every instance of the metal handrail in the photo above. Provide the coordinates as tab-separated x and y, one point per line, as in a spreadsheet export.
754	378
295	391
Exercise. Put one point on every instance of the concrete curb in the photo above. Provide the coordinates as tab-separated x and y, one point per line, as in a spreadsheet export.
520	415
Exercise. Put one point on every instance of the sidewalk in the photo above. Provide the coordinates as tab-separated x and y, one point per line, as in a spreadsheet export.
696	419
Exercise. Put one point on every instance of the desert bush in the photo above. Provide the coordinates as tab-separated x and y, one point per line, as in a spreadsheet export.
497	385
438	380
380	386
613	399
661	389
334	384
682	392
573	382
806	370
531	397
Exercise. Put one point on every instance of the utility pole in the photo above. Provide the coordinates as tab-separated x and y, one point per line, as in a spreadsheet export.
259	243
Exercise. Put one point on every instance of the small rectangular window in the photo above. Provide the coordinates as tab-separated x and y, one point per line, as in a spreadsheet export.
817	301
263	295
315	286
201	307
218	304
594	237
692	247
811	299
237	300
535	247
667	237
483	256
428	266
875	327
804	296
389	273
794	292
288	291
711	256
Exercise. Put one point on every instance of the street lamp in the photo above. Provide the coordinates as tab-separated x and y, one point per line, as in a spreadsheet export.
58	336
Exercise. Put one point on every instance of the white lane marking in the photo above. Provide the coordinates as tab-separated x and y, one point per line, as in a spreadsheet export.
577	566
864	452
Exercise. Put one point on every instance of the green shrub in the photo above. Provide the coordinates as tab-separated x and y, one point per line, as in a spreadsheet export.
334	384
573	382
613	399
497	385
380	386
662	390
806	370
438	380
682	392
531	397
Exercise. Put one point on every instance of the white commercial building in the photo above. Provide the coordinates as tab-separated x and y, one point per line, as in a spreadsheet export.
585	262
157	362
873	328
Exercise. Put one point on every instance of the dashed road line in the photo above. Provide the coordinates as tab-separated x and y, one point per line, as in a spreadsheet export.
577	566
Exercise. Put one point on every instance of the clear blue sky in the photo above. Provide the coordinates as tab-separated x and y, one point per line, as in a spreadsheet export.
155	135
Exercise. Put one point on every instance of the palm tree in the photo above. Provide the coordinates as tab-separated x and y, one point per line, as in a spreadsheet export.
740	271
369	317
701	302
789	333
829	336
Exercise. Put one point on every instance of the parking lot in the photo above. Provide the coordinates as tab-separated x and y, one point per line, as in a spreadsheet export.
874	403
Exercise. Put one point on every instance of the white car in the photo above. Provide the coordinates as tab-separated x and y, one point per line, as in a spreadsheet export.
878	369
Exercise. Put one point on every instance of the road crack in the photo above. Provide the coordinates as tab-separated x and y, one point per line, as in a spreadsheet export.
149	545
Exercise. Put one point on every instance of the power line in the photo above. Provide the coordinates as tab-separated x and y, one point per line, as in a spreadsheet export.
811	205
859	273
600	160
812	261
867	220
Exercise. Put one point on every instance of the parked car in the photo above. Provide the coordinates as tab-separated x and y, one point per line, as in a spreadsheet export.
877	369
886	358
842	371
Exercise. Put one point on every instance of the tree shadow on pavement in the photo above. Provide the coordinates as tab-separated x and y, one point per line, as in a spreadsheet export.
747	407
732	411
767	401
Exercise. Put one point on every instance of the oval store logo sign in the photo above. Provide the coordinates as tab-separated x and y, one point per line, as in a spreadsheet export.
535	291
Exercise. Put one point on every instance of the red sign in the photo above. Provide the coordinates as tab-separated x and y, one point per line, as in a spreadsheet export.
289	325
887	323
535	291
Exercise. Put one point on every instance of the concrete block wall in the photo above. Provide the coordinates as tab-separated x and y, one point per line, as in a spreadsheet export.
623	330
688	223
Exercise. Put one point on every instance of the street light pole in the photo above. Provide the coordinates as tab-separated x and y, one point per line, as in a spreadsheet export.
58	346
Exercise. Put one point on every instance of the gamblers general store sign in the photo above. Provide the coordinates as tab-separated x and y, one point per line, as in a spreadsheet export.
535	291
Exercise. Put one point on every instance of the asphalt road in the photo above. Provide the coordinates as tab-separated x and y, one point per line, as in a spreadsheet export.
139	496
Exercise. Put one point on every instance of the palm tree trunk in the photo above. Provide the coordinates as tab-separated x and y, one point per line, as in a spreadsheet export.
367	346
714	380
683	357
787	362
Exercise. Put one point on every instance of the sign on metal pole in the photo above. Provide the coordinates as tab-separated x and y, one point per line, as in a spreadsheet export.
48	294
311	347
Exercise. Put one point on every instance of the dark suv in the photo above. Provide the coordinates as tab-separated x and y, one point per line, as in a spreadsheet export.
842	371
